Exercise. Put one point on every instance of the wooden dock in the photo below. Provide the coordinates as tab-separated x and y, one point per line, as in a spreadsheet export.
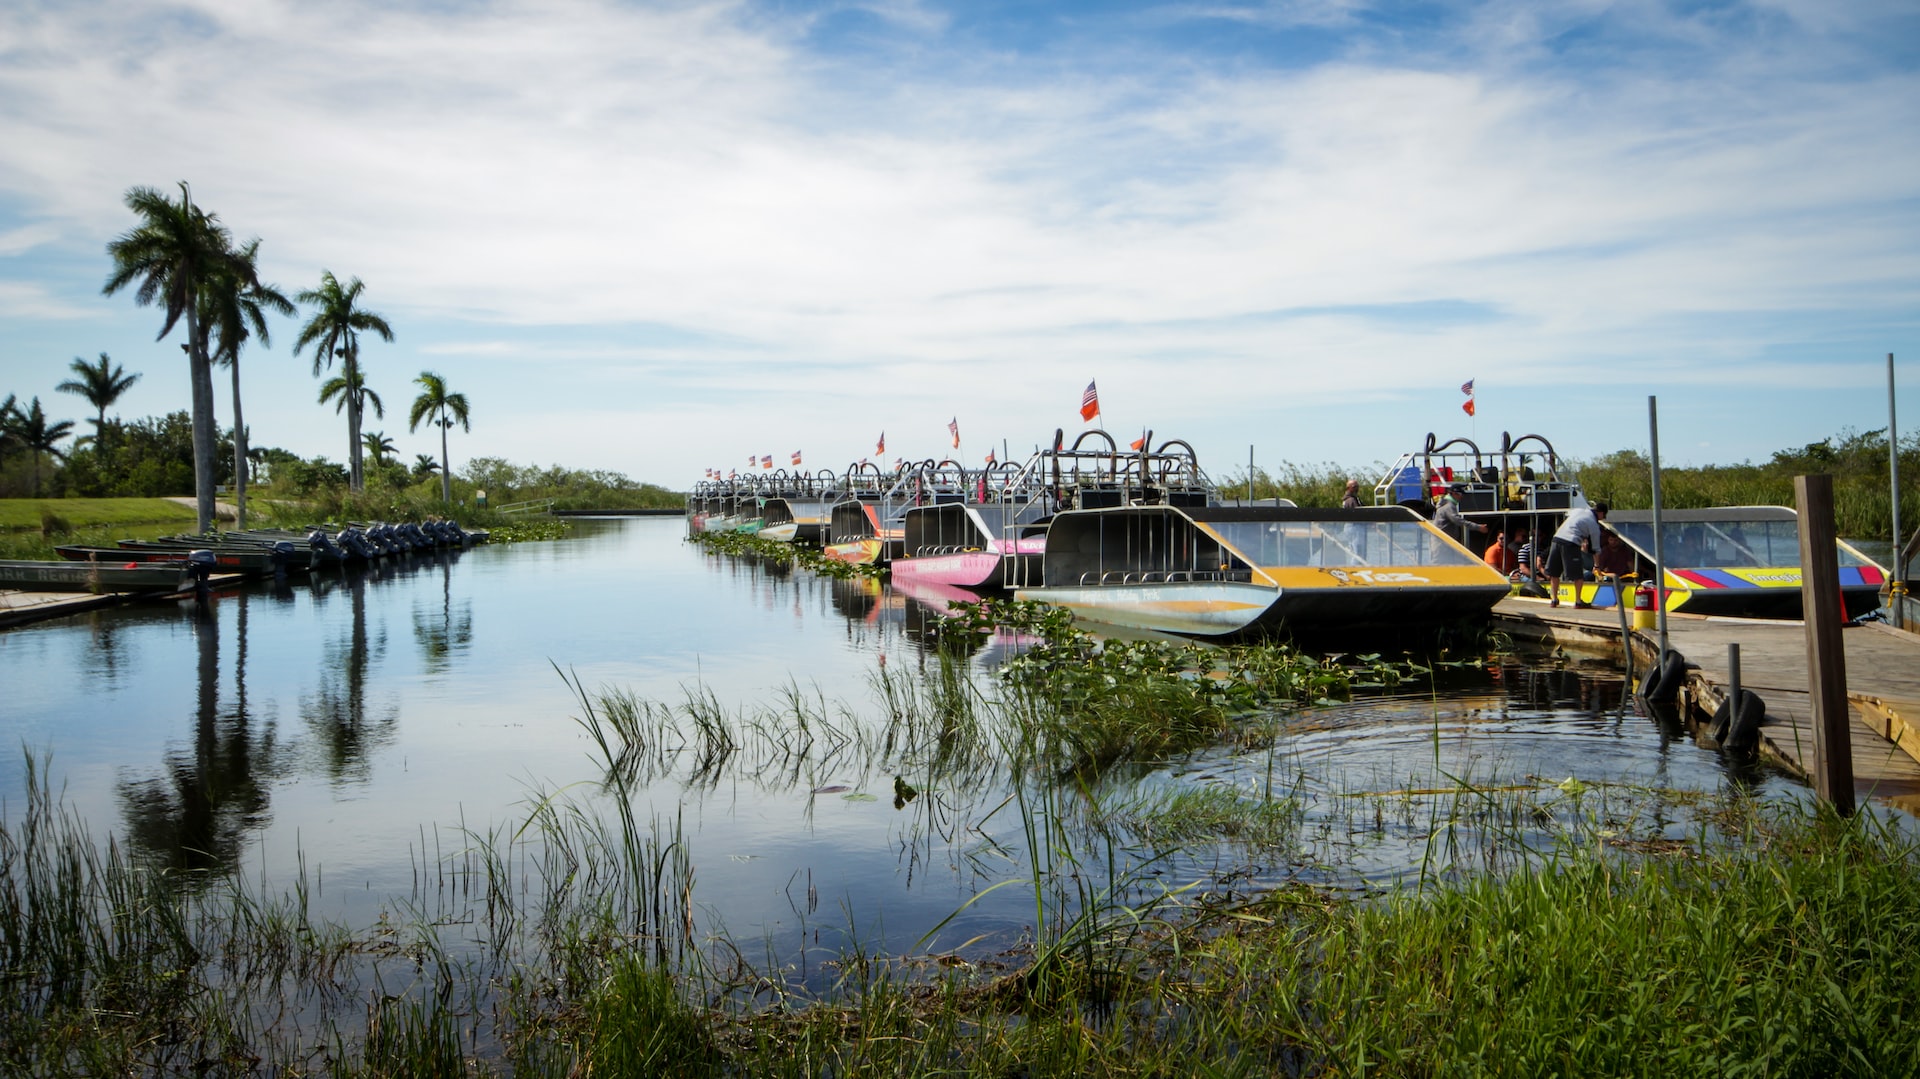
18	608
1883	681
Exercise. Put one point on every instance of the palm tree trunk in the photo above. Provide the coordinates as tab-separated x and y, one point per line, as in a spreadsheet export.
204	441
446	478
356	480
239	451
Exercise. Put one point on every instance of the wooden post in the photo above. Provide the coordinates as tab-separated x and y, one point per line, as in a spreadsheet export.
1826	655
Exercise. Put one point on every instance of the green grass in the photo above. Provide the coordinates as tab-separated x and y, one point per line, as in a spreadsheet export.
27	513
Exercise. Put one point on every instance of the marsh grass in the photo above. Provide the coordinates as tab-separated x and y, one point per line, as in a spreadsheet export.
776	553
1559	926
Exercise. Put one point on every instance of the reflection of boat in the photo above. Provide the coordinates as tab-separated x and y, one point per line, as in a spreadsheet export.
96	577
1210	571
1737	560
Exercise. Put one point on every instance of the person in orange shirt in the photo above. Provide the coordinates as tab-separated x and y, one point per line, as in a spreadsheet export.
1502	557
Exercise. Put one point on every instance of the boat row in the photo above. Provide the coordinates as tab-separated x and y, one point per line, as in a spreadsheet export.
1729	560
169	564
1141	538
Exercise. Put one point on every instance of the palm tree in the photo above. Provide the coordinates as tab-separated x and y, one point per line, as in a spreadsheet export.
101	384
378	446
424	465
446	407
9	419
234	308
176	249
353	397
334	330
30	426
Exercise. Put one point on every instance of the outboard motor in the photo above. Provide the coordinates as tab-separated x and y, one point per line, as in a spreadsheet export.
354	543
320	550
200	565
419	537
282	558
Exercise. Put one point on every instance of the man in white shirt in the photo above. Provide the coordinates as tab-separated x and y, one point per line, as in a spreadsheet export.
1579	532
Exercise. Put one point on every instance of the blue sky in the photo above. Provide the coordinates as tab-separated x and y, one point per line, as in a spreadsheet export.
660	237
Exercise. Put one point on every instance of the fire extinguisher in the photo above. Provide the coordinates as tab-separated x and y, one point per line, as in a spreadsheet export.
1644	605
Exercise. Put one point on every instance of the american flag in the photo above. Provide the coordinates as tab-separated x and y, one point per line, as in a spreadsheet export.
1090	403
880	448
767	461
953	428
796	457
1467	387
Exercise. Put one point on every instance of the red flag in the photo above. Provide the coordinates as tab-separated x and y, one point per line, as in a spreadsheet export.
796	457
989	456
1139	442
880	449
1090	403
1467	406
953	426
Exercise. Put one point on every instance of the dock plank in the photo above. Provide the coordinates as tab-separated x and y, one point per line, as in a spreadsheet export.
20	607
1882	665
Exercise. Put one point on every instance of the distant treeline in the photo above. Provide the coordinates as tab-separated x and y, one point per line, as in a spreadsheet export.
1857	461
570	488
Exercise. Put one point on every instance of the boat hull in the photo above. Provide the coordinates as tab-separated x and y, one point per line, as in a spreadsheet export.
976	569
94	577
1196	609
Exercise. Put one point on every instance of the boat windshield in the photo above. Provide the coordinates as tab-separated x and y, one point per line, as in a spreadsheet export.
1760	544
1339	543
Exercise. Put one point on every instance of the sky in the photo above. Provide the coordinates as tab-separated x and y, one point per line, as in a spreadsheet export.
661	237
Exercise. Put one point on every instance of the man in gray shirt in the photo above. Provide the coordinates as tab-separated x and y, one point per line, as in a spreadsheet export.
1579	532
1447	518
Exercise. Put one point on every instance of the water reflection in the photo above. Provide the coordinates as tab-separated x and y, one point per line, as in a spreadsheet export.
445	631
346	730
196	815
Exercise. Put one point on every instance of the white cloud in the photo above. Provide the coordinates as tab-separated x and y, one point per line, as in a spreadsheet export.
691	166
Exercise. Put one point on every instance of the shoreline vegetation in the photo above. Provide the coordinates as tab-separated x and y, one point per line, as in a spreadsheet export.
1551	927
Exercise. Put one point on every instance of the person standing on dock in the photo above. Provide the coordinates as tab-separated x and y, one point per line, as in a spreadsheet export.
1579	533
1351	500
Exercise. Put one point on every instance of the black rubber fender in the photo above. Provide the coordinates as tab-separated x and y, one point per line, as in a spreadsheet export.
1662	682
1737	728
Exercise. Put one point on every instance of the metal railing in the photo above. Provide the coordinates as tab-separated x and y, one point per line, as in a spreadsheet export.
532	505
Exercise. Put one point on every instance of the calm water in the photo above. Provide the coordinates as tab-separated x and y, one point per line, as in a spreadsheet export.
361	721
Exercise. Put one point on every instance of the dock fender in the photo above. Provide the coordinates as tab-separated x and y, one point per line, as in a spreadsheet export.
1737	728
1662	683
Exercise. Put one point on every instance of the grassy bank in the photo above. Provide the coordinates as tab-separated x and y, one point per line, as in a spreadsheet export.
31	527
18	514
